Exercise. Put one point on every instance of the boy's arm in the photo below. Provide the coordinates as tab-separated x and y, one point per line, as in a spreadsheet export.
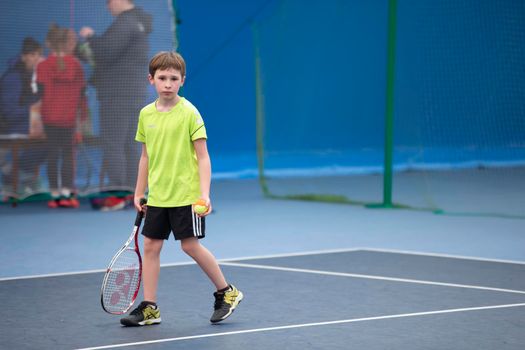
142	178
203	159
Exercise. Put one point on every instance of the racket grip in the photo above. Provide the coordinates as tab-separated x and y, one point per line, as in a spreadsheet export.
140	214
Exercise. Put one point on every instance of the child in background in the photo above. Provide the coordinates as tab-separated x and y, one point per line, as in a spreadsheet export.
16	93
17	96
61	83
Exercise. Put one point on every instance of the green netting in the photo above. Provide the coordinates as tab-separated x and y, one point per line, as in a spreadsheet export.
458	118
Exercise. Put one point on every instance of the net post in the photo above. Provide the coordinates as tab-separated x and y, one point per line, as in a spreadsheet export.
174	24
259	111
389	112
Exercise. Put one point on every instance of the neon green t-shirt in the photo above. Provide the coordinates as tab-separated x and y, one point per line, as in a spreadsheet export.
173	173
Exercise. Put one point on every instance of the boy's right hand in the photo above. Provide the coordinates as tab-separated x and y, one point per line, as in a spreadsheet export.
139	203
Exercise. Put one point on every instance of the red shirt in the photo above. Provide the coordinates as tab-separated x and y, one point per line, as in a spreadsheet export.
62	90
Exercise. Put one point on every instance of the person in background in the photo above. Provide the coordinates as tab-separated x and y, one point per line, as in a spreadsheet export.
120	56
61	83
18	95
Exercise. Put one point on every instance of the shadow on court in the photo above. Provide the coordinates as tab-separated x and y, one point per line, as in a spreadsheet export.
333	300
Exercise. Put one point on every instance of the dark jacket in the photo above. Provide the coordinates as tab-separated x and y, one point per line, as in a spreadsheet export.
121	55
16	98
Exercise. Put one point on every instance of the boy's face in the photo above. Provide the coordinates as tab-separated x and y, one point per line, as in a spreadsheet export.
167	83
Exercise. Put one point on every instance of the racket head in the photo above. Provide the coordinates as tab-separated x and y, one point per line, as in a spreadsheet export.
121	283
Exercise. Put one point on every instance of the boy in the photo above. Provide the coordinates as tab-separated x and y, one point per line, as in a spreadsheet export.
176	168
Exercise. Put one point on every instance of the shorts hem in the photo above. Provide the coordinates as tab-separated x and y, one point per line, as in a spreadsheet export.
181	237
164	236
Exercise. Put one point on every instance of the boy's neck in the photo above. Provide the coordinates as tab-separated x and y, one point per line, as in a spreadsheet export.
166	106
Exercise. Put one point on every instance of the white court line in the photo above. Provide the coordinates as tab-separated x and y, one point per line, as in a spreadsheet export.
295	326
58	274
382	278
284	255
290	255
439	255
73	273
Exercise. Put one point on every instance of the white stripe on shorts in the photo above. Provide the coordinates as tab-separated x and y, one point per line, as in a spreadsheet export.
197	224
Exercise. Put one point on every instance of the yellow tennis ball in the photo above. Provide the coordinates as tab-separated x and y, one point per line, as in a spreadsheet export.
200	207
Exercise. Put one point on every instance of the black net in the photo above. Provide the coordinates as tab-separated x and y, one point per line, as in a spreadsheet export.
74	80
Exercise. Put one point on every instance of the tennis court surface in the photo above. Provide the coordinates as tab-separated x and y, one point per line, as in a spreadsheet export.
344	299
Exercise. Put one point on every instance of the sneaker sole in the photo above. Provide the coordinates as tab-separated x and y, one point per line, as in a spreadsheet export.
142	323
237	302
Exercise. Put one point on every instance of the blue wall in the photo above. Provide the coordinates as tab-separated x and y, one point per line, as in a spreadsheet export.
459	74
459	69
215	39
323	74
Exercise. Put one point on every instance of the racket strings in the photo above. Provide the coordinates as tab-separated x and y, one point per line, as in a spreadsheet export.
122	283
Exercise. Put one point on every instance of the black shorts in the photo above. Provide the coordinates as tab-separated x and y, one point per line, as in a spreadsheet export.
182	221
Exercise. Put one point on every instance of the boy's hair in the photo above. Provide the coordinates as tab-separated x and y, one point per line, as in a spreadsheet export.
30	45
166	60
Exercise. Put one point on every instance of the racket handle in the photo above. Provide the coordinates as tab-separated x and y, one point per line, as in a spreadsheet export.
140	214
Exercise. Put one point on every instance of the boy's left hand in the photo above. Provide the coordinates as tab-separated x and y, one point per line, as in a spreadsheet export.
208	204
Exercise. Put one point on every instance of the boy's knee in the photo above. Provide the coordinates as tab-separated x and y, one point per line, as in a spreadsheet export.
152	246
189	246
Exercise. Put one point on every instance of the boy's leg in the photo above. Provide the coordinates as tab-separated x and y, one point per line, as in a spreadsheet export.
148	313
227	297
151	267
205	259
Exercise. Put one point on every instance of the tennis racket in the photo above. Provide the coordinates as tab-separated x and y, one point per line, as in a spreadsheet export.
121	282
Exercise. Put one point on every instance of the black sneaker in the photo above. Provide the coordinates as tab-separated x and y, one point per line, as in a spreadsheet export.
225	303
144	314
